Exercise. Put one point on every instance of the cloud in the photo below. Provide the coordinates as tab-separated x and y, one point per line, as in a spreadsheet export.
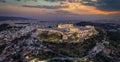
74	8
3	1
63	1
109	5
62	12
68	7
45	6
18	0
105	5
56	14
56	9
78	8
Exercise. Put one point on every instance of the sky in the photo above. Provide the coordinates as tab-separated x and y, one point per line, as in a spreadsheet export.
62	9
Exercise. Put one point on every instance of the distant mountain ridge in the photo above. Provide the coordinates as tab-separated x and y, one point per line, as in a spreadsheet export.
3	18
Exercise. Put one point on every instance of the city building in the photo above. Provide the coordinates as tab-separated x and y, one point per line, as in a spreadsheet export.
69	27
65	25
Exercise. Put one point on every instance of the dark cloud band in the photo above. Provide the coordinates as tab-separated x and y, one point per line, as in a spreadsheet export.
105	5
44	6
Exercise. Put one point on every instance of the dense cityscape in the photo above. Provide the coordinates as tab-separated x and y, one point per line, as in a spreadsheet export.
31	42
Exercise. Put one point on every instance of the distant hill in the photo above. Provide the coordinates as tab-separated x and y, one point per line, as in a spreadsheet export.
3	18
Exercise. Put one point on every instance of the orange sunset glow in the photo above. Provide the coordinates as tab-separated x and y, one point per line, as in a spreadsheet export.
56	8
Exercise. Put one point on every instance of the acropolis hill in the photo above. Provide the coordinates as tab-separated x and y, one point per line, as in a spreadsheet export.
66	33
